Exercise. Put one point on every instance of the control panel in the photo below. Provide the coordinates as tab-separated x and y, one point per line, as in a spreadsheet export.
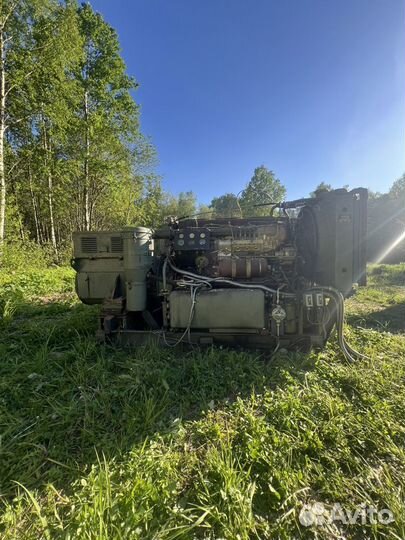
192	239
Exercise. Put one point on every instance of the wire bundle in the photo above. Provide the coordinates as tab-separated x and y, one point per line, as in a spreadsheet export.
196	282
350	354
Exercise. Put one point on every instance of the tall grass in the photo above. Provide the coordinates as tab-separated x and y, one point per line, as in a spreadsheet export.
99	442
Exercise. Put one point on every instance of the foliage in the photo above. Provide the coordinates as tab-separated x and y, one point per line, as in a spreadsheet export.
263	188
226	206
204	211
26	285
398	188
323	186
19	255
73	152
187	204
387	274
101	442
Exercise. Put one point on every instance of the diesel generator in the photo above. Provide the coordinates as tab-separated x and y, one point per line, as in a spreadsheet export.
277	280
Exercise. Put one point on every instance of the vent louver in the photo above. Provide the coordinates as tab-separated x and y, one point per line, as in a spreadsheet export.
89	244
116	244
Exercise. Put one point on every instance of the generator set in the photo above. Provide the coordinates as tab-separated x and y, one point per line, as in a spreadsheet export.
277	280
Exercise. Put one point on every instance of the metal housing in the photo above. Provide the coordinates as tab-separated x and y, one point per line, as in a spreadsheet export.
259	282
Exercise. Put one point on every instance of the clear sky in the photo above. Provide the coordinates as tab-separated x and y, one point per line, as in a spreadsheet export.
313	89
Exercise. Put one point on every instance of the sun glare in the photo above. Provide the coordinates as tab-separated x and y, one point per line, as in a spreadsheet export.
392	246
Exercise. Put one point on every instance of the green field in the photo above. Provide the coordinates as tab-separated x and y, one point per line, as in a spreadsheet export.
103	443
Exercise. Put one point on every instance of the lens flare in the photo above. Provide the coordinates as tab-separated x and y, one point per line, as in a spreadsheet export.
394	244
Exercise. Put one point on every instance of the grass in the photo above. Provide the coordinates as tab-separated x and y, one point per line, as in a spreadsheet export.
381	305
103	443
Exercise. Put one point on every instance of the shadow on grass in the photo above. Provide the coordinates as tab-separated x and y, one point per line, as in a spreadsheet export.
64	397
391	319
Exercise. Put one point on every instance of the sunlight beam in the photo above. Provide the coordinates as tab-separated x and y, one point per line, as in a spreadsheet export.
391	247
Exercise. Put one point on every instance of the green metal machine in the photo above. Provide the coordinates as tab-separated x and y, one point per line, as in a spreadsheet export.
262	282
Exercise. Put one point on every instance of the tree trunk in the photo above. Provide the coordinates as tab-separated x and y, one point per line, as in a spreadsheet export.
34	206
48	158
2	136
51	214
86	184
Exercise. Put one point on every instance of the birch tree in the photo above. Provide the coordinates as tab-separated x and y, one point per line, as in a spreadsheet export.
71	152
17	44
108	122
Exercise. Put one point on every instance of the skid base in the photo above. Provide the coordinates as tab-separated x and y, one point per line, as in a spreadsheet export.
205	339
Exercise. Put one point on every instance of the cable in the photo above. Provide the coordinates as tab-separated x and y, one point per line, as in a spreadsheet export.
350	354
193	291
240	207
336	296
284	204
206	279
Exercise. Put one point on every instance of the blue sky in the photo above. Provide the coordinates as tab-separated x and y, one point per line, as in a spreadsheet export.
313	89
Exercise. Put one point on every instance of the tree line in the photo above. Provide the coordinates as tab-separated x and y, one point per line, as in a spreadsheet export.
386	211
262	189
72	154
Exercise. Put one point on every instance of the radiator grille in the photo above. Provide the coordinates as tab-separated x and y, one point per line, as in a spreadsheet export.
89	244
116	244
